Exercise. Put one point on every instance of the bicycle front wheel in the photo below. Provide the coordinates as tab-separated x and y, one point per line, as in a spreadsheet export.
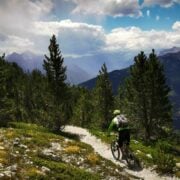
115	150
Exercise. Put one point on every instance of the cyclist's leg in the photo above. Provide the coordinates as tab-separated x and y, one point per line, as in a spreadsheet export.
127	139
121	143
120	139
127	136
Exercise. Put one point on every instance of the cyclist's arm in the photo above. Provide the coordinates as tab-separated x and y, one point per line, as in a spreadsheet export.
123	128
111	126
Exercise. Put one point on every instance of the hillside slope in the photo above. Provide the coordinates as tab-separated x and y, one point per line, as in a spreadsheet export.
29	61
171	62
116	77
29	151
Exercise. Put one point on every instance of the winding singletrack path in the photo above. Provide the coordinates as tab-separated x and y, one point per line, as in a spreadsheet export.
104	150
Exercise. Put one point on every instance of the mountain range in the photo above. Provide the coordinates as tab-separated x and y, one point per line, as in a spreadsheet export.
171	62
79	68
29	61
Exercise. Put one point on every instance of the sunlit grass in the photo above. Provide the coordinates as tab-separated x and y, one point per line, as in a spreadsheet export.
28	126
93	159
72	149
32	172
10	133
4	157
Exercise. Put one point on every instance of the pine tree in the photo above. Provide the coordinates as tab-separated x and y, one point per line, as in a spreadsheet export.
103	98
5	102
36	93
145	95
83	109
9	88
17	91
160	114
55	71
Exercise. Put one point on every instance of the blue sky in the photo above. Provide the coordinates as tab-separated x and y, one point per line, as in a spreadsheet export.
148	20
90	28
167	17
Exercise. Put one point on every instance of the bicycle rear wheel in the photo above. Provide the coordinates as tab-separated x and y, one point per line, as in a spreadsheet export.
115	150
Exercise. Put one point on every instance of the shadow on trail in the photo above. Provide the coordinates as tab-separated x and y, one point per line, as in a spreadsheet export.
68	135
136	166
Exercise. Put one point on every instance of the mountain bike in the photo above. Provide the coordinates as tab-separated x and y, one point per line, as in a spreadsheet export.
124	152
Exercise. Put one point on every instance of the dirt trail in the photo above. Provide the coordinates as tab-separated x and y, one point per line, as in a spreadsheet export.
104	150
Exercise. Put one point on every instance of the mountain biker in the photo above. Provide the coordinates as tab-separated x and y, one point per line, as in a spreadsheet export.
120	124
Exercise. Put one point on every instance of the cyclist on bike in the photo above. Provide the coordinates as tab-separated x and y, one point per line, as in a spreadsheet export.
120	124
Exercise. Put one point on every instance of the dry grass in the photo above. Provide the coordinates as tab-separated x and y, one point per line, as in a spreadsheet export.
10	134
177	174
32	171
93	158
72	149
3	157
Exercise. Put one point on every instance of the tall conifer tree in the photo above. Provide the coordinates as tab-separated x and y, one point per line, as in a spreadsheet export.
103	98
55	71
145	95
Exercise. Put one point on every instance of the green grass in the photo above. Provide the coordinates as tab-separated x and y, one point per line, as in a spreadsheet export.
142	150
103	136
27	126
66	163
37	138
64	171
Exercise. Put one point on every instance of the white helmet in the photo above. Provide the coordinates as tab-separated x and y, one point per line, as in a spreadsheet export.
116	112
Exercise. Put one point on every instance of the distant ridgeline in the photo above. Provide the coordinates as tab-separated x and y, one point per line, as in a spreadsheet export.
171	62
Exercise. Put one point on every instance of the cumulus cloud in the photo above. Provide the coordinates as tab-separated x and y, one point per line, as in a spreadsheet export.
176	26
136	39
16	22
13	43
162	3
17	15
82	39
75	37
26	29
113	8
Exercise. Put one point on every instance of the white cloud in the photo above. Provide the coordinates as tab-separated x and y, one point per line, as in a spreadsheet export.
14	43
148	13
113	8
26	30
16	22
136	39
82	39
162	3
75	37
176	26
17	15
48	28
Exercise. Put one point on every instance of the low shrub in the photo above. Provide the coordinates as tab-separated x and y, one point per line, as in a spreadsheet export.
165	162
164	146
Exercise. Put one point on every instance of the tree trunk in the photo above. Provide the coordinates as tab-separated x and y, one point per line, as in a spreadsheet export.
147	133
